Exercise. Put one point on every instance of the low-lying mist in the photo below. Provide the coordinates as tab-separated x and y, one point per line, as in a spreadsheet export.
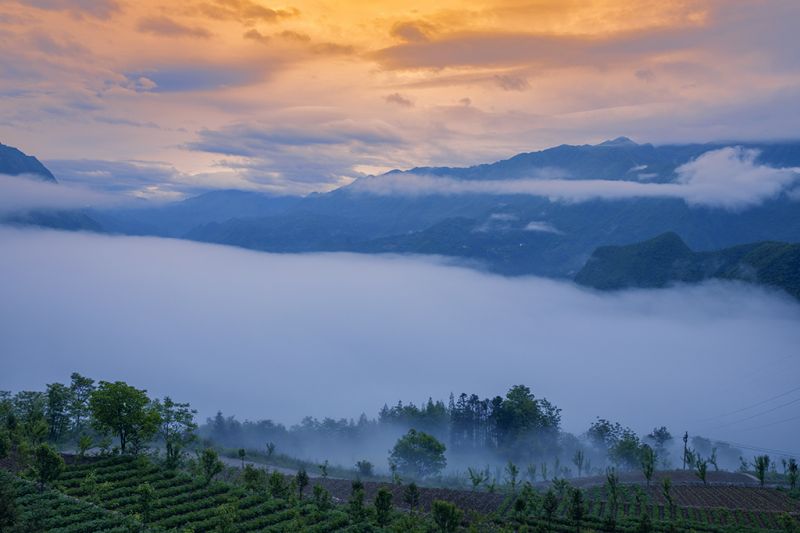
283	336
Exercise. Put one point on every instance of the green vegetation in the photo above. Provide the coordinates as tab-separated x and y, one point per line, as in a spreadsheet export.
137	487
666	259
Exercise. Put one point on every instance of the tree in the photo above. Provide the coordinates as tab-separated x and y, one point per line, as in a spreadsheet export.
661	437
9	514
175	428
322	498
270	449
323	469
411	496
5	443
666	491
227	515
48	464
356	504
701	469
446	516
146	495
476	477
210	465
761	465
512	472
577	510
685	448
302	482
124	411
648	462
791	469
84	444
579	460
277	486
58	402
242	454
81	389
383	506
253	478
625	451
364	468
418	454
612	492
549	506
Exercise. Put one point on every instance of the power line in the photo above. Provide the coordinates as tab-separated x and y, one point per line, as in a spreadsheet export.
758	414
775	423
752	406
759	449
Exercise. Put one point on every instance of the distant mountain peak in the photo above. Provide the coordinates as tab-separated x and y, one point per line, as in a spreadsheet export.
14	162
619	142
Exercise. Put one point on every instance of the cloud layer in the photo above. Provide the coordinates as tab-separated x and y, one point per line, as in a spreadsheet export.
727	178
23	193
153	81
284	336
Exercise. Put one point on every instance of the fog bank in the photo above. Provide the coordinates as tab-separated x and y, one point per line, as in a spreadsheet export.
282	336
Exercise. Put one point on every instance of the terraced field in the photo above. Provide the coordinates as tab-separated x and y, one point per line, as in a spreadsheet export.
106	495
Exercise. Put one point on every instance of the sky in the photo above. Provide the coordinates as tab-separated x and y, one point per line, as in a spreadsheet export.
283	336
175	97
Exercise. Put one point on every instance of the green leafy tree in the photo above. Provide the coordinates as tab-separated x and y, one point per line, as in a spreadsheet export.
666	491
146	495
531	471
242	453
84	444
124	411
59	398
5	443
476	477
383	507
701	469
446	516
364	468
253	478
577	509
302	482
9	514
81	389
549	506
579	460
356	504
322	498
612	492
418	454
226	515
512	473
761	466
277	486
645	524
48	464
210	465
89	487
270	449
625	452
792	473
411	496
176	427
648	462
323	469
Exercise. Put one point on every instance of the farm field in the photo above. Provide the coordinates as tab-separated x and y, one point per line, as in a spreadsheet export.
105	494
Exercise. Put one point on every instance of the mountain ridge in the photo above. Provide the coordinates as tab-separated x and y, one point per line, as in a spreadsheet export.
666	259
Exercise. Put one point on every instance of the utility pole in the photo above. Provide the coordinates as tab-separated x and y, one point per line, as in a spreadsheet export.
685	449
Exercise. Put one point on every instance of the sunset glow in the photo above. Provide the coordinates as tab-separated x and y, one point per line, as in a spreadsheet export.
305	96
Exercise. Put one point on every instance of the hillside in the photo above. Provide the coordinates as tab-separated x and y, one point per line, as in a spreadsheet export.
666	260
14	162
